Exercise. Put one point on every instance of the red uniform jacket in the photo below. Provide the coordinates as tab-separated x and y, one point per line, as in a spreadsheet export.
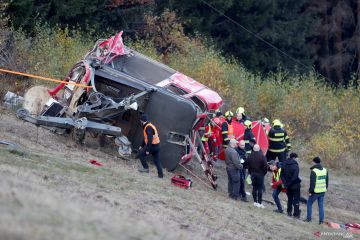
275	183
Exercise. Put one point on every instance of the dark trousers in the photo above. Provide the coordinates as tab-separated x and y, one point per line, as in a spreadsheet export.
293	195
233	183
257	183
275	196
273	155
155	152
242	184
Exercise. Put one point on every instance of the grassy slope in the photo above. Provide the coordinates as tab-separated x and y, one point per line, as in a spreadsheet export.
48	190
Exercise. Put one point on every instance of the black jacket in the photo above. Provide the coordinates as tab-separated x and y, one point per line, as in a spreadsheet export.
241	152
224	132
313	177
256	163
290	174
248	135
277	133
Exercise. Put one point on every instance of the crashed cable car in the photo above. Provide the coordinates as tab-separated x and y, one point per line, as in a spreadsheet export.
121	83
105	93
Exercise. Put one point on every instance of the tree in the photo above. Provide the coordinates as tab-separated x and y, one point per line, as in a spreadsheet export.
166	31
284	25
99	15
337	40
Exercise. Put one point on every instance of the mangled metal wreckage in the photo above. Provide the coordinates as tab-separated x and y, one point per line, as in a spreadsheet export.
122	84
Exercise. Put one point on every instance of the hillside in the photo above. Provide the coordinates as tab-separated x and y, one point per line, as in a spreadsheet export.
48	190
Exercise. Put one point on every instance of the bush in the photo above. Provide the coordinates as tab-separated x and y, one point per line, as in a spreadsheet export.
203	64
54	50
324	120
51	52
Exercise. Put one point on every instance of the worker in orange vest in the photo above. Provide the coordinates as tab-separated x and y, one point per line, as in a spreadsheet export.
151	145
227	129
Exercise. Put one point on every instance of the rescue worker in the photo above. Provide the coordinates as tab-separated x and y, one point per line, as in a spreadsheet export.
216	131
240	115
319	181
257	166
290	178
151	145
279	142
277	186
213	143
233	167
227	129
265	123
248	136
242	154
205	138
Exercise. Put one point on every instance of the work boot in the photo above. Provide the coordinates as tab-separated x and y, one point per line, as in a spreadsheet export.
278	211
143	170
243	199
297	216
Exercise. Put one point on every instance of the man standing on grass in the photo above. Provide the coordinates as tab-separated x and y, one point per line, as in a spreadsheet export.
151	145
257	166
290	178
277	185
233	167
242	153
319	181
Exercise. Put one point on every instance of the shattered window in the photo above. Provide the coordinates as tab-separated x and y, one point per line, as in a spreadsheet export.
174	89
199	103
142	68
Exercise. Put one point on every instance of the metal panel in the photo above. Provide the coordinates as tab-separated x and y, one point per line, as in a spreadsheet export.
170	113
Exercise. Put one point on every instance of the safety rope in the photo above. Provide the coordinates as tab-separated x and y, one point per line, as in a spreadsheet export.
44	78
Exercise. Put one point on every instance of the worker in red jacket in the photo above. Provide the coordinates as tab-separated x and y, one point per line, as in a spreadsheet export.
277	186
205	137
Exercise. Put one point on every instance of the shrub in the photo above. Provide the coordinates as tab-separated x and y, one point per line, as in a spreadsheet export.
324	120
54	50
51	52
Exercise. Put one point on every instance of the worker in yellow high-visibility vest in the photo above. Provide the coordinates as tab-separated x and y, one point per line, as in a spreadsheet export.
319	180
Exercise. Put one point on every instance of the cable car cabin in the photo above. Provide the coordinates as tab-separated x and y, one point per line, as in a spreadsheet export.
124	84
